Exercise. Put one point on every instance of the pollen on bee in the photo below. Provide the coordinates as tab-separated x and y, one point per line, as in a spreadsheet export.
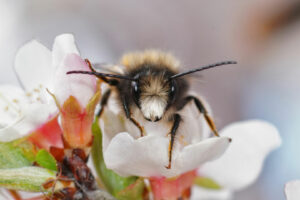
15	100
36	90
6	108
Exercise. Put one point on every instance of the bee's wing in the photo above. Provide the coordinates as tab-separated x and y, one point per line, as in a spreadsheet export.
109	68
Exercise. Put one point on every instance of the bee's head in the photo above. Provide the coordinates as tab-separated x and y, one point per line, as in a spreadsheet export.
152	81
153	93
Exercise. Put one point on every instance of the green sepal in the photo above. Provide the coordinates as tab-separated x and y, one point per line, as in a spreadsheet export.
16	154
28	179
208	183
46	160
123	188
133	191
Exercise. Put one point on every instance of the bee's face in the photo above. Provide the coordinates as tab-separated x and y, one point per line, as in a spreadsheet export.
153	94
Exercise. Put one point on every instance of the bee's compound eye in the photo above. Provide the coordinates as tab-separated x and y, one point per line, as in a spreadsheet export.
172	88
135	86
136	92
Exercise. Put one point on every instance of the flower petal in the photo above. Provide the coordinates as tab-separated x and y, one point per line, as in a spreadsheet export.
192	156
63	44
252	141
194	128
144	156
148	155
81	86
8	134
111	125
292	190
19	115
32	116
49	134
172	188
34	60
209	194
11	97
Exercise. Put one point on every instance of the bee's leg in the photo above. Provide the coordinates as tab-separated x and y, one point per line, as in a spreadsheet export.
136	123
89	64
177	119
104	101
128	115
112	82
202	110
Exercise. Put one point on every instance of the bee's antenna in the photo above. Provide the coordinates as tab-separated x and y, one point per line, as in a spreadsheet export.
203	68
98	74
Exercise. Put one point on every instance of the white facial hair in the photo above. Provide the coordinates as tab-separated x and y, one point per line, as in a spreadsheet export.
153	107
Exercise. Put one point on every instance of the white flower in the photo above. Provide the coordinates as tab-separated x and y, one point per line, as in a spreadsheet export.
242	163
38	69
20	114
292	190
128	154
66	58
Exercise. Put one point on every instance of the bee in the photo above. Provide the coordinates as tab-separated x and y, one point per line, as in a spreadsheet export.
152	86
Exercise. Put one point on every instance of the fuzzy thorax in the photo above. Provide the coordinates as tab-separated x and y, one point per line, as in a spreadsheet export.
158	58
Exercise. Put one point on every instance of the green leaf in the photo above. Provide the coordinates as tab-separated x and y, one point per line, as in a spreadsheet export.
208	183
121	187
26	178
46	160
15	154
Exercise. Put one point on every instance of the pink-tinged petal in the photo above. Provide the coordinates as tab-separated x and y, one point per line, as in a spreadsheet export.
292	190
175	188
147	156
31	117
19	116
64	44
48	135
251	142
33	65
81	86
4	195
199	193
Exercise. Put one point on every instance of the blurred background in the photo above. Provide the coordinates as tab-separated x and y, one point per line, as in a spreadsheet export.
263	36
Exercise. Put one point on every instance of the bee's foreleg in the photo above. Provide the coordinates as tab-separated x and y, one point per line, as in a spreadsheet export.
202	110
128	115
176	122
104	101
112	82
